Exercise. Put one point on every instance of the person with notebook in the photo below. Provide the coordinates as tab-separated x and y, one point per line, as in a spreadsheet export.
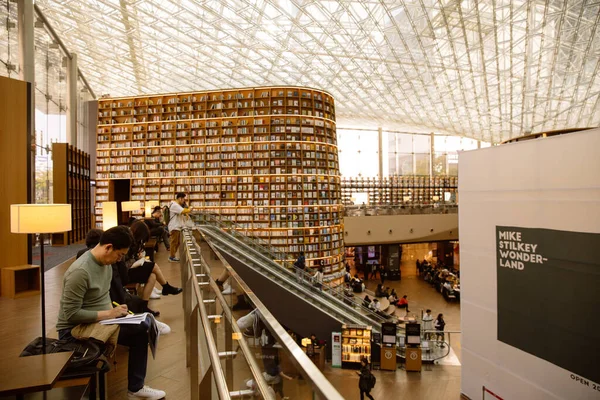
85	299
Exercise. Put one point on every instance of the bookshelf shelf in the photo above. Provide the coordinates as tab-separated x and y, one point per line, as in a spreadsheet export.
71	174
265	158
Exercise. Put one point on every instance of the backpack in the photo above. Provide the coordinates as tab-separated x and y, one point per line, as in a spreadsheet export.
372	381
166	214
87	358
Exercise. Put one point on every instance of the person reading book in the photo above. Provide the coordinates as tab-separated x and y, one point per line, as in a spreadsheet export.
85	299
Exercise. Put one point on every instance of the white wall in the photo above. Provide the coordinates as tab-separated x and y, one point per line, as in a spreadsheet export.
551	183
375	229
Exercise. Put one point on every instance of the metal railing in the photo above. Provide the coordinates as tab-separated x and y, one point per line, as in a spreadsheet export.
413	209
224	364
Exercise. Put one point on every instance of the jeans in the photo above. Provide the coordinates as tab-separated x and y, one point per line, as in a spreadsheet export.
136	338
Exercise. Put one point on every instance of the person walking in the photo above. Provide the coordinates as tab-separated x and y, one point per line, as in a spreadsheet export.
365	381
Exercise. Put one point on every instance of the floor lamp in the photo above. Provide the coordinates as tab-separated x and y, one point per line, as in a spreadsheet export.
128	206
41	219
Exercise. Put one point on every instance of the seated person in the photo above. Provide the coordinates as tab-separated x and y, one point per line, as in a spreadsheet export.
157	228
92	238
393	297
386	292
85	299
141	271
366	301
375	305
314	340
117	292
403	303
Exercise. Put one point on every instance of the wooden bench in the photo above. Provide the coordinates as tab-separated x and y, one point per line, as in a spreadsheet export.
20	281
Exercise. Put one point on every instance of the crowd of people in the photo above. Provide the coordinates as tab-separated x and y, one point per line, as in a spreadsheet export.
95	286
444	279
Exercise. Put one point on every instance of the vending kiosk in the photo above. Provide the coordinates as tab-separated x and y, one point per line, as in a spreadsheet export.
413	347
388	346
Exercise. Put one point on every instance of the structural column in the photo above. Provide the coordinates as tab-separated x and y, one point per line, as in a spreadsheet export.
25	13
380	151
72	100
431	152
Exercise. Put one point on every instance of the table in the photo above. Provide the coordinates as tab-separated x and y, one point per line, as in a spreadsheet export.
20	375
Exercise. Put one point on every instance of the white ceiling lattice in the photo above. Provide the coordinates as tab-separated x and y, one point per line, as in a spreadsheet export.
489	70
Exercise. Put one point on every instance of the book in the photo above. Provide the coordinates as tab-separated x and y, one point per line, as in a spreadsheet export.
136	319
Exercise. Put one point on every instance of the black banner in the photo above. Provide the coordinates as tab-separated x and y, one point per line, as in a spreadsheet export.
549	296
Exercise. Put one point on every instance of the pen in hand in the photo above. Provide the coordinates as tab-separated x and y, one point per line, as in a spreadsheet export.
117	305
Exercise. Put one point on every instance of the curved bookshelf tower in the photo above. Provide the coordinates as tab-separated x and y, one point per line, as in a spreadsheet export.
264	157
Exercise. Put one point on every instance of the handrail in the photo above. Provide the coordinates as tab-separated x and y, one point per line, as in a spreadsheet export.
324	388
254	369
219	376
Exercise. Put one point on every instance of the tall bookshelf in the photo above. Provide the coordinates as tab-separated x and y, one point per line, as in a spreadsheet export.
265	158
71	173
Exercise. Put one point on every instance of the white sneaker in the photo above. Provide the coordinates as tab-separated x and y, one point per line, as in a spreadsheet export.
163	328
156	293
228	289
146	393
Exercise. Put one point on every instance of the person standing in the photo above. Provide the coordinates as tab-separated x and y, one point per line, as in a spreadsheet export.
382	273
177	221
318	278
428	324
439	326
300	266
85	299
364	383
374	271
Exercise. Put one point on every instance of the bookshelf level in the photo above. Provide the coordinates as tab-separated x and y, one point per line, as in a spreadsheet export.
265	158
402	190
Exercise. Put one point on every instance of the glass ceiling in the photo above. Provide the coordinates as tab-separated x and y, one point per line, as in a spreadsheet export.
488	70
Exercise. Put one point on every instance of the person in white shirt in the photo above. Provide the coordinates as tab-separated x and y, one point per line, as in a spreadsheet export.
428	324
177	221
375	305
318	278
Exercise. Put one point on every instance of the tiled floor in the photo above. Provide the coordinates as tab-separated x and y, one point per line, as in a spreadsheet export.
169	372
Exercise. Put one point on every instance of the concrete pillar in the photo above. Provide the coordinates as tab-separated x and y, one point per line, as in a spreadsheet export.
380	150
72	97
26	40
26	24
431	152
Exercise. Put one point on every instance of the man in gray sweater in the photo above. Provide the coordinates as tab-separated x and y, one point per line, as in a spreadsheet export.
85	299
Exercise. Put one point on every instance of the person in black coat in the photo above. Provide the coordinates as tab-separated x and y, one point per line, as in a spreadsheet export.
364	382
157	228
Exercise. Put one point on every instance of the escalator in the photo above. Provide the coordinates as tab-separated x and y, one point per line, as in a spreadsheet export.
301	307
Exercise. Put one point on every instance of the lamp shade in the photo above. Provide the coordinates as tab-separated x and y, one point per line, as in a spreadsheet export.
40	218
150	204
109	215
131	205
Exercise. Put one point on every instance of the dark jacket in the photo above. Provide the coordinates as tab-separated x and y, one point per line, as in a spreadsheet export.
364	383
